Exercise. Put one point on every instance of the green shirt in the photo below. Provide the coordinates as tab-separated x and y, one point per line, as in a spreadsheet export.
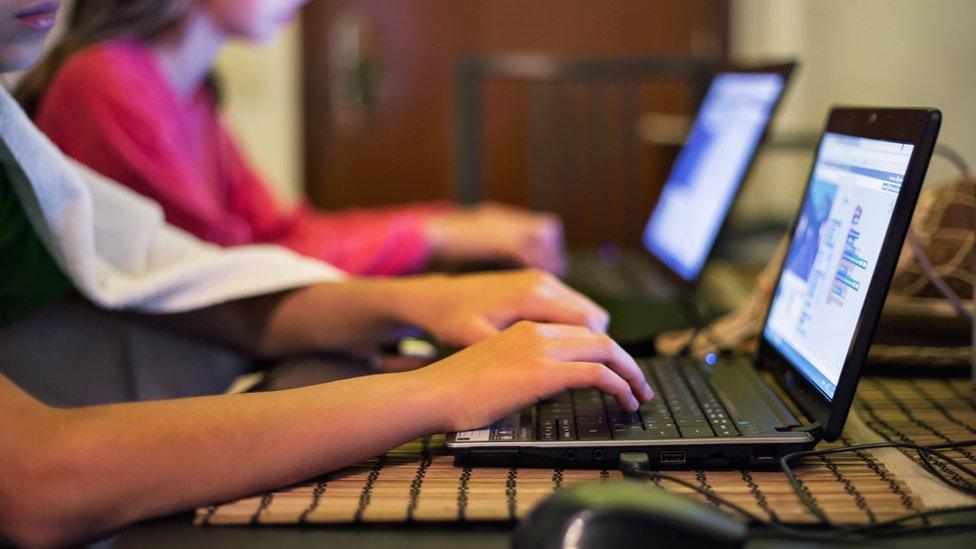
30	280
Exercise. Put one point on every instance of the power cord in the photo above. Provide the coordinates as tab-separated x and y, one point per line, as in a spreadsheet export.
637	465
925	453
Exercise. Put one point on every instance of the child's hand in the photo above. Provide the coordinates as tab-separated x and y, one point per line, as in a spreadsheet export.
463	310
492	231
525	363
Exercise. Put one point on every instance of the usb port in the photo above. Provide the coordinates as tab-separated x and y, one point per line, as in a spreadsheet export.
672	457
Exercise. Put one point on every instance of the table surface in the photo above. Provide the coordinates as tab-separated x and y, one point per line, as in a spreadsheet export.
178	531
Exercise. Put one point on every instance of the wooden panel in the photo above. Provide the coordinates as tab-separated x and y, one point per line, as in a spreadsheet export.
403	148
402	152
585	28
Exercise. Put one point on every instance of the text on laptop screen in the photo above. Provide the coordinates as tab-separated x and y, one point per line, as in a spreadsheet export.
831	259
708	171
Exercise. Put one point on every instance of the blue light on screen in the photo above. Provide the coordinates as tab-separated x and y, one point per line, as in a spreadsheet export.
710	168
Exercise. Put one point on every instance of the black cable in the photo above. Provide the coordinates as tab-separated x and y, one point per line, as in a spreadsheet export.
878	529
791	531
635	464
923	451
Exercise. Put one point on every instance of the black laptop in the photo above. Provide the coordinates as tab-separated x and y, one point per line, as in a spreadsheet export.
845	243
693	206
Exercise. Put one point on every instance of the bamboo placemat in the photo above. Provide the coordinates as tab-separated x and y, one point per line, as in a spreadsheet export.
419	482
923	411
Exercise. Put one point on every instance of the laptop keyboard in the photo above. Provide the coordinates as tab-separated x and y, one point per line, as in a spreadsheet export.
632	276
684	406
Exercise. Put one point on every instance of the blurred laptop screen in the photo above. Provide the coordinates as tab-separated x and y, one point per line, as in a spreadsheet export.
708	171
836	242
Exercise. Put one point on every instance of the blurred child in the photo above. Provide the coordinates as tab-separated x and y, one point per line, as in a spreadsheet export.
129	91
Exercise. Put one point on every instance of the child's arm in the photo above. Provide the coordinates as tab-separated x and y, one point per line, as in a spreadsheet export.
70	473
458	310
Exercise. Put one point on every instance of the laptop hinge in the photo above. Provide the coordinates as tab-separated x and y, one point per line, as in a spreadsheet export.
814	429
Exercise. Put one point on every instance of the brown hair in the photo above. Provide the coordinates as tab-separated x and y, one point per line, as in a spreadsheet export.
94	21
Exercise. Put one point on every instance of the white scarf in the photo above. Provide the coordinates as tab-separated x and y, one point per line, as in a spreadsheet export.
117	249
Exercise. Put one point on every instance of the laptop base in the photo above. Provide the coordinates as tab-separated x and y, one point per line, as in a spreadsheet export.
630	274
720	415
641	310
679	456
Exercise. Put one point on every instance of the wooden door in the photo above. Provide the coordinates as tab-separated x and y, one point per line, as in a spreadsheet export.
380	100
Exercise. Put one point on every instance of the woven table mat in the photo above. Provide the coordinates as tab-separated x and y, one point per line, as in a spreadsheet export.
922	411
419	482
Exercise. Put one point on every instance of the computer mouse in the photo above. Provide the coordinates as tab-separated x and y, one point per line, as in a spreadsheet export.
624	513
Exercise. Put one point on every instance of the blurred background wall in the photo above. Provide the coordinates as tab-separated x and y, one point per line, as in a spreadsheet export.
381	102
860	52
262	86
402	145
355	104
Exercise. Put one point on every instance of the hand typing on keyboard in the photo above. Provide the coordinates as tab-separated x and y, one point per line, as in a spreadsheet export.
463	310
686	407
530	361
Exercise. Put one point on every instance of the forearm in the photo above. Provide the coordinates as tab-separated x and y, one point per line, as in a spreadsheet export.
109	466
329	316
459	310
340	315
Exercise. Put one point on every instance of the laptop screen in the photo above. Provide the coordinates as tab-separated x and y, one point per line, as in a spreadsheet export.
708	171
836	242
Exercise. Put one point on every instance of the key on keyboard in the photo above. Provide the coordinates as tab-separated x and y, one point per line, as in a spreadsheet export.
684	406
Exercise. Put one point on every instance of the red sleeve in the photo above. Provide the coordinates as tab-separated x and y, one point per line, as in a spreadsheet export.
104	109
108	117
248	195
387	241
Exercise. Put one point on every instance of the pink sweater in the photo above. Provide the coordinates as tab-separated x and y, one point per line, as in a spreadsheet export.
111	108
